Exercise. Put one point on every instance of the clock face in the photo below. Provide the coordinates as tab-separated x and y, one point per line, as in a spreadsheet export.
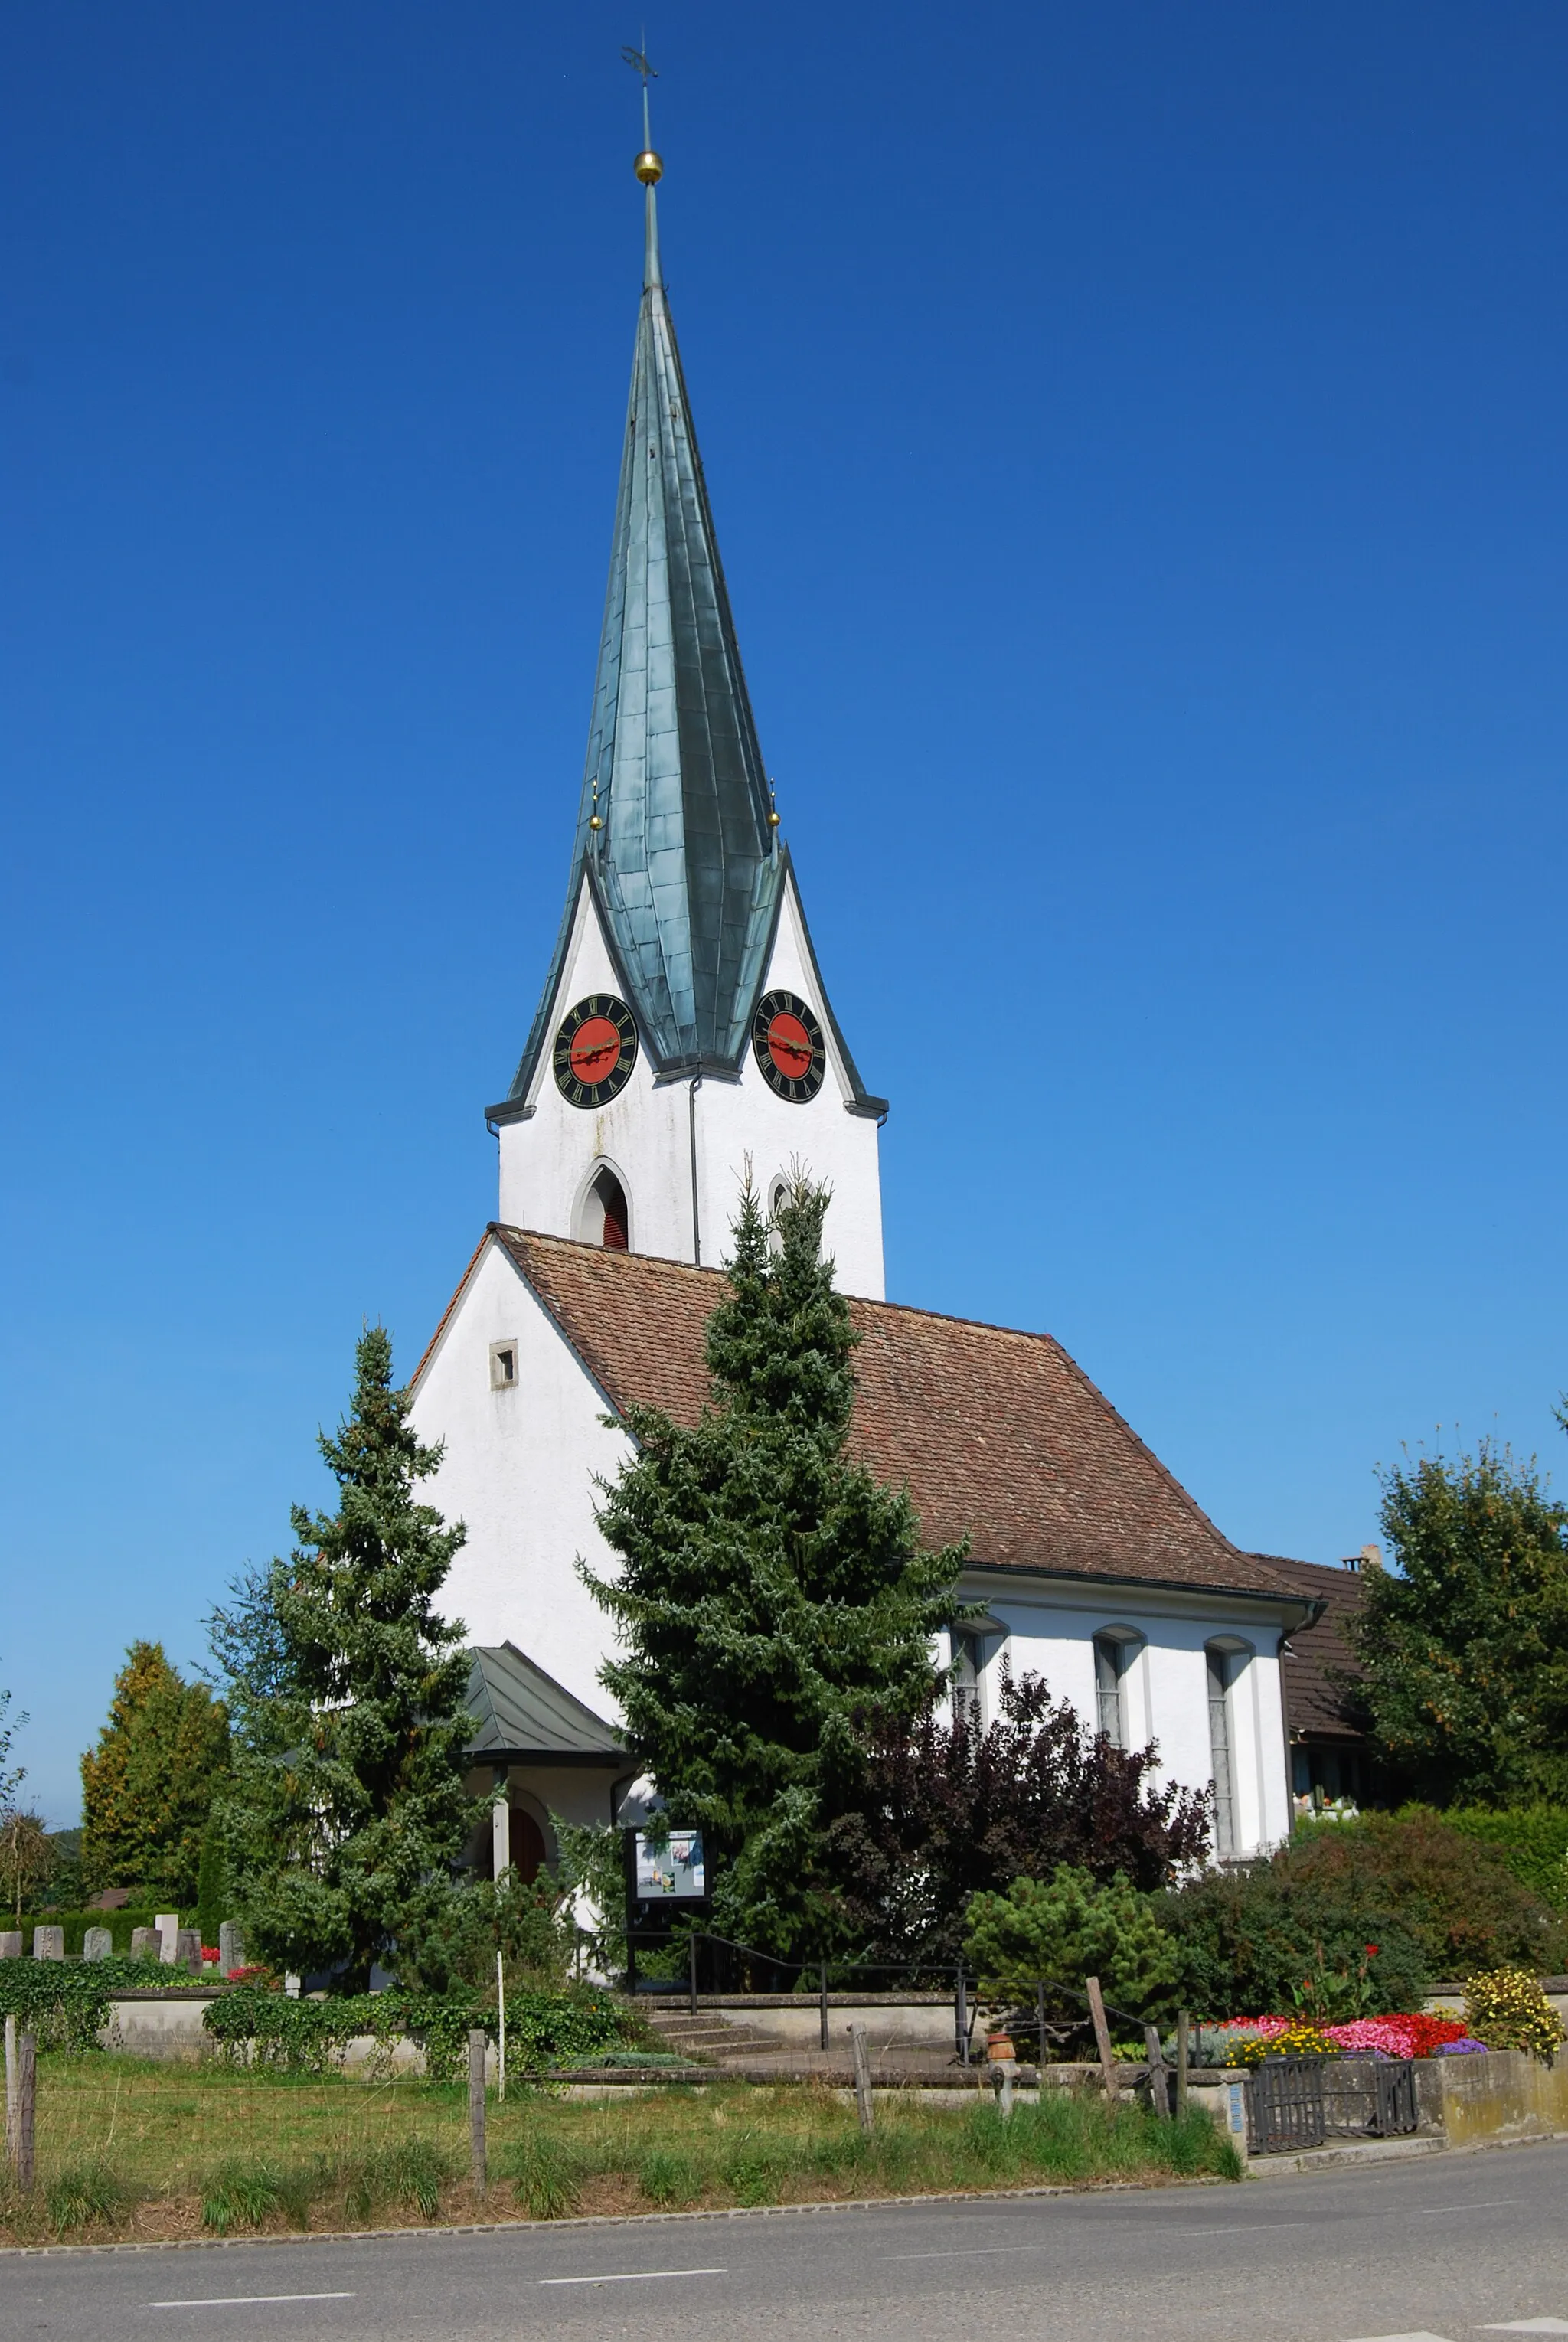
595	1050
788	1043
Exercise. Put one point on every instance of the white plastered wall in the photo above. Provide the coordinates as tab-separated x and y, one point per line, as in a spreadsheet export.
519	1471
1052	1635
645	1134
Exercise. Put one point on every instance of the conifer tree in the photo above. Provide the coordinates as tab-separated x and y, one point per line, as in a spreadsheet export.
347	1809
148	1786
775	1599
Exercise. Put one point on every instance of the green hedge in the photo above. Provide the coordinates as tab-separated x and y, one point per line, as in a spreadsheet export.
256	2025
76	1923
1533	1840
66	2002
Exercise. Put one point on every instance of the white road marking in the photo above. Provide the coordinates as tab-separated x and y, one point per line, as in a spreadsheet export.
1490	2204
991	2252
1528	2325
236	2300
631	2276
1421	2337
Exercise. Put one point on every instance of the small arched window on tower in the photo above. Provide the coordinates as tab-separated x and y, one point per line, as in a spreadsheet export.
604	1217
777	1195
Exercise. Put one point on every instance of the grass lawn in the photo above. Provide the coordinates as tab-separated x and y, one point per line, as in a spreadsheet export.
128	2148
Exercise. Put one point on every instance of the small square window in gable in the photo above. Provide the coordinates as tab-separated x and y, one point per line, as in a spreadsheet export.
504	1365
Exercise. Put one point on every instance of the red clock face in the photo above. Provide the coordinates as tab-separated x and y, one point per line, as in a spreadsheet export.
787	1042
595	1050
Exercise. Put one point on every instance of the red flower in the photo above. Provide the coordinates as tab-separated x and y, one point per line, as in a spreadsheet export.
1371	1951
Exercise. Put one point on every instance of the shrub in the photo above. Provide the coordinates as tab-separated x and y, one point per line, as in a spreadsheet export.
1533	1840
1436	1902
1507	2009
254	2024
1249	1939
1068	1928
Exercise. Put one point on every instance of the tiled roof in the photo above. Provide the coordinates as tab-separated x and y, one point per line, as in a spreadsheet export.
521	1712
997	1433
1314	1703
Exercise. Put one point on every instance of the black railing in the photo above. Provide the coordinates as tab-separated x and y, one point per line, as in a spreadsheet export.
828	1976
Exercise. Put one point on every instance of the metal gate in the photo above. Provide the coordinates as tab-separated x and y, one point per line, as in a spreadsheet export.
1285	2106
1301	2102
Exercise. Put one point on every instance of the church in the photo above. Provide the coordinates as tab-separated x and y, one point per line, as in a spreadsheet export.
684	1035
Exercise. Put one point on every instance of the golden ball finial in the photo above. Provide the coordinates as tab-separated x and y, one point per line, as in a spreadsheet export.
593	821
774	818
649	167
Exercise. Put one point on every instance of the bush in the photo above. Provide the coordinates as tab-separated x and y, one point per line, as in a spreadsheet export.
65	2003
254	2024
1533	1840
1436	1902
1508	2010
1248	1940
1070	1928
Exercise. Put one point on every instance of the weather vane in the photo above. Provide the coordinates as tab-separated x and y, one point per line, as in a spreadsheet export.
648	166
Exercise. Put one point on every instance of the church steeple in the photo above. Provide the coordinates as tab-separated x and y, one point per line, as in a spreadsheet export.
683	856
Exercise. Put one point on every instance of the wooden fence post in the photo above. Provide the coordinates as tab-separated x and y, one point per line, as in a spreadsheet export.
1102	2036
1040	2028
26	2109
500	2027
11	2079
692	1950
961	2016
1183	2059
862	2077
478	2170
822	1977
1159	2077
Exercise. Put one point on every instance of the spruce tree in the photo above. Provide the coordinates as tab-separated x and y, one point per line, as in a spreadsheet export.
776	1601
148	1786
348	1808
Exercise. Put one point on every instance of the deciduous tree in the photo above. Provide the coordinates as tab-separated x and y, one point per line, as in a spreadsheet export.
950	1808
1462	1650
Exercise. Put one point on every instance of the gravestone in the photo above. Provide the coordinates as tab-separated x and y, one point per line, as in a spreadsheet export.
10	1943
231	1947
48	1943
167	1923
146	1944
98	1944
188	1949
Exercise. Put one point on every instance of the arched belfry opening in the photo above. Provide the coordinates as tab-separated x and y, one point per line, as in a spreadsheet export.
605	1217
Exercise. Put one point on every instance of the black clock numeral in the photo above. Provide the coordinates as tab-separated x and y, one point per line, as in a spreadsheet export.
599	1006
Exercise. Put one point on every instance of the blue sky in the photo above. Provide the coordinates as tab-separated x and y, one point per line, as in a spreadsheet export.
1137	442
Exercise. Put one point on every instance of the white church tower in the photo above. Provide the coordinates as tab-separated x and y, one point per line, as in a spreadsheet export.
685	1032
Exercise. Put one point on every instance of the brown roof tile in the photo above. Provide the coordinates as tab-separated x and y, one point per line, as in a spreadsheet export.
997	1433
1313	1703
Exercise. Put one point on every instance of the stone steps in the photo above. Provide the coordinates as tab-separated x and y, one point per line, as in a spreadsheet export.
709	2037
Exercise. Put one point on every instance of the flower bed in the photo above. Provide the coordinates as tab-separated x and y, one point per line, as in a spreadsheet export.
1244	2040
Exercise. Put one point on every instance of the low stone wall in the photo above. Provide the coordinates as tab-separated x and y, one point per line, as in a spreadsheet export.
1503	2095
165	2025
891	2020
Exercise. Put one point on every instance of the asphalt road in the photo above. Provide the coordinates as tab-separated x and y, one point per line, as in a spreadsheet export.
1450	2247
